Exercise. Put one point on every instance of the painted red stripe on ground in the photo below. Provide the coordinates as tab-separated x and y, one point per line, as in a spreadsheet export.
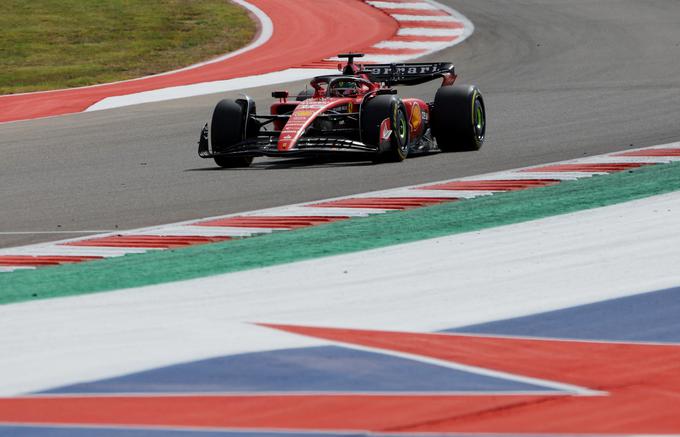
383	202
588	167
434	24
303	412
492	185
25	260
146	241
651	152
283	222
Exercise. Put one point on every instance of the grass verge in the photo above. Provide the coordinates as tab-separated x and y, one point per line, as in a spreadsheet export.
53	44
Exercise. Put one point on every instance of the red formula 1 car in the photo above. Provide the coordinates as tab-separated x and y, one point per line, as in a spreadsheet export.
356	112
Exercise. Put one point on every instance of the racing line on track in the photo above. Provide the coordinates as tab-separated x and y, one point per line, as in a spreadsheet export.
250	224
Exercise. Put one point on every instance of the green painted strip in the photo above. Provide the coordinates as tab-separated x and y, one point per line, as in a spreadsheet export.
338	238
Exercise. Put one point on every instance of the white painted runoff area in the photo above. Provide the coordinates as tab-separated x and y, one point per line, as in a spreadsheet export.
428	285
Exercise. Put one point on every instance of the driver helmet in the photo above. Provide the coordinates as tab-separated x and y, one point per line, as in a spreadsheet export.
345	88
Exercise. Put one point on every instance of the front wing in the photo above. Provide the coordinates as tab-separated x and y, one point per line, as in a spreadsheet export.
266	145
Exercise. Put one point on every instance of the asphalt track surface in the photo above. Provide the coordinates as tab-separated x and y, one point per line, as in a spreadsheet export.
561	79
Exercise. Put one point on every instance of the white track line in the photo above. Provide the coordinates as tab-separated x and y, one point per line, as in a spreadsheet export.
397	5
425	45
425	31
200	89
432	18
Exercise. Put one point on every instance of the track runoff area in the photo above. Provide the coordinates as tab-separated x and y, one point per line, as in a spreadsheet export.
432	331
564	322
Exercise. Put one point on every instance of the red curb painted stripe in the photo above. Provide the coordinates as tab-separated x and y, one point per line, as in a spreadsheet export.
383	202
304	412
492	185
282	222
652	152
588	167
146	241
20	260
334	21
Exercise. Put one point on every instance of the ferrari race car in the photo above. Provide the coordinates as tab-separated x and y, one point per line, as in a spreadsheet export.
353	113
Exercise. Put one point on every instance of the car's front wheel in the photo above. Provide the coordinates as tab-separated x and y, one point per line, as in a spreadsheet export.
227	127
459	118
384	125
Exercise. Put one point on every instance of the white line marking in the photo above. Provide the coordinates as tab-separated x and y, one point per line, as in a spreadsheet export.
321	212
432	18
199	89
514	175
428	45
410	192
429	31
7	269
206	231
396	5
569	388
57	250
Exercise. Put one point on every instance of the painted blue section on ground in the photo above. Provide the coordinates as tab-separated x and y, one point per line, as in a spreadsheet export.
653	317
315	369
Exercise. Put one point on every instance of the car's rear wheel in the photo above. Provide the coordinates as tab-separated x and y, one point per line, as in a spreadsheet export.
390	137
459	118
227	127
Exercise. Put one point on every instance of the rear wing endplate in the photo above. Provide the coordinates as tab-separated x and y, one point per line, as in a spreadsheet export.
409	73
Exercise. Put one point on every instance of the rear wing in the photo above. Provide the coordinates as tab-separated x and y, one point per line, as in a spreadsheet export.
410	73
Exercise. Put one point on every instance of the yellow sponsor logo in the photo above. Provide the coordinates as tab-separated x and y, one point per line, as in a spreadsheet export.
304	113
416	117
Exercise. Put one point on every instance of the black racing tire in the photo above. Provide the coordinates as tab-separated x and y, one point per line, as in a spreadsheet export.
226	128
373	113
459	118
304	95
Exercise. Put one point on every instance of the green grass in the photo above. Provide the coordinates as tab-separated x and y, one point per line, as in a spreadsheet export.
52	44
